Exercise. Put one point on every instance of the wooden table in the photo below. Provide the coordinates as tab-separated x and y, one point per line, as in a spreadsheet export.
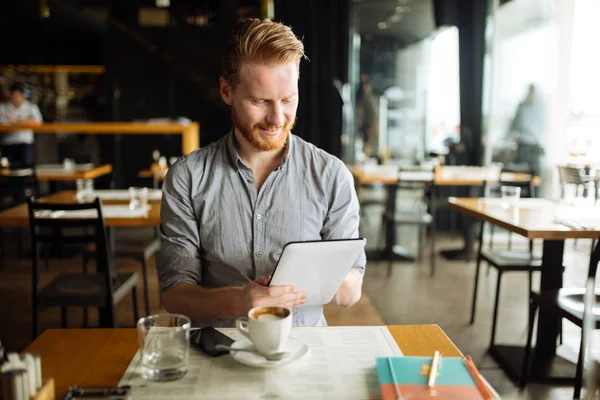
18	216
444	176
156	172
56	172
533	219
99	357
190	134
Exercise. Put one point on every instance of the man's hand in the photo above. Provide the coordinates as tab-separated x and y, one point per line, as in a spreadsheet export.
11	118
257	293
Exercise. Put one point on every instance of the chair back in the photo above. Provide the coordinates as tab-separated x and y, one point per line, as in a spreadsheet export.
571	175
17	186
64	225
526	185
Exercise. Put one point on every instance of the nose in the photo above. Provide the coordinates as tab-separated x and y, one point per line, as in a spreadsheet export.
276	116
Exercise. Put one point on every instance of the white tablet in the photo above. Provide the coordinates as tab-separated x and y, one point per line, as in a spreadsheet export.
317	267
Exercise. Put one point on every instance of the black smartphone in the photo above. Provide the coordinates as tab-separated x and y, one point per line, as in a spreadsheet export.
206	339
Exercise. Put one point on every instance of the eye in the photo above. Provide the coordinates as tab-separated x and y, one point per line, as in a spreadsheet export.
257	102
286	101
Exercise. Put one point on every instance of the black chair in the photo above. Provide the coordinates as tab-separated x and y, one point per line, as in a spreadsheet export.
103	289
527	191
416	215
16	186
505	261
567	303
141	250
578	176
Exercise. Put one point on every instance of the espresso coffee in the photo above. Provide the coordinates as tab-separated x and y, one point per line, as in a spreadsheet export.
270	313
268	327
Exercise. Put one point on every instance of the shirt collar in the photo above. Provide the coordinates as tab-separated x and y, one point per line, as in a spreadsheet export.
236	160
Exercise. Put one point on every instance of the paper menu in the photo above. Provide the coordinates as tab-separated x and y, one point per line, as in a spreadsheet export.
341	364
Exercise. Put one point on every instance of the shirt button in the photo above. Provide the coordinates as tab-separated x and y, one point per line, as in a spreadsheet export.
258	255
258	216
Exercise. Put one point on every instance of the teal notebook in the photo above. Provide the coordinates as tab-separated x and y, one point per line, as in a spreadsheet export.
412	374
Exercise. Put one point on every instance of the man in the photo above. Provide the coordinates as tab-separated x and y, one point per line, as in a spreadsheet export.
228	209
17	146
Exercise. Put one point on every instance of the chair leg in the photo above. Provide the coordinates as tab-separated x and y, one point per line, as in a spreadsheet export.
579	370
85	318
146	291
64	318
496	304
85	310
46	253
432	255
475	287
421	243
491	245
527	356
477	269
3	251
134	298
35	326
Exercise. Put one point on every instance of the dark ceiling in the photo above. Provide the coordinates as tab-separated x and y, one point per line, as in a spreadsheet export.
407	21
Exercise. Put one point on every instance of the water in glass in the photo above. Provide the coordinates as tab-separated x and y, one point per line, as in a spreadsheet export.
164	346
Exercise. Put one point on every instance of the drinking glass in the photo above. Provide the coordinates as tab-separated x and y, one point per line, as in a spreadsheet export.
510	195
164	346
68	164
89	187
142	195
134	202
80	193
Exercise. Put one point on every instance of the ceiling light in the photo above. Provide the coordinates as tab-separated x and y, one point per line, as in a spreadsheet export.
382	25
163	3
399	9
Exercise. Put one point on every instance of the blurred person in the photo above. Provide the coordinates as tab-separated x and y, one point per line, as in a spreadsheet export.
367	123
229	208
17	146
526	131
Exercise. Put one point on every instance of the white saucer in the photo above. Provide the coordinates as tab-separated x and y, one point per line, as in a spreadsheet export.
293	345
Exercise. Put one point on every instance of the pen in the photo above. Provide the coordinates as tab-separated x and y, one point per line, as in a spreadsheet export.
435	364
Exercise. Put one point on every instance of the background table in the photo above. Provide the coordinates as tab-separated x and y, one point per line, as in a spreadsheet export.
534	219
18	216
99	357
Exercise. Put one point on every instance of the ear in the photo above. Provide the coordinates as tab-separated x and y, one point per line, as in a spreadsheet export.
226	91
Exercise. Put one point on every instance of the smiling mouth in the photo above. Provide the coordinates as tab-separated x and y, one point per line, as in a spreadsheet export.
270	132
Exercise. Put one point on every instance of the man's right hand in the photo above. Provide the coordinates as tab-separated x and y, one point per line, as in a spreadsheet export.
257	293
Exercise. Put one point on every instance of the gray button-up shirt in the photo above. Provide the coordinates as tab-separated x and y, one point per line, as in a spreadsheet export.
218	230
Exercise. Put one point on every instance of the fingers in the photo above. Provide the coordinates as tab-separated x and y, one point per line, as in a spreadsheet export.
275	291
264	280
290	300
293	299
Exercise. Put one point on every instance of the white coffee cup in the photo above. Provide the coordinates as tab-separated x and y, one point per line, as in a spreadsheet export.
267	327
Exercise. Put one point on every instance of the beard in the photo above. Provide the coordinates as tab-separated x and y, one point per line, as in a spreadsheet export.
262	143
